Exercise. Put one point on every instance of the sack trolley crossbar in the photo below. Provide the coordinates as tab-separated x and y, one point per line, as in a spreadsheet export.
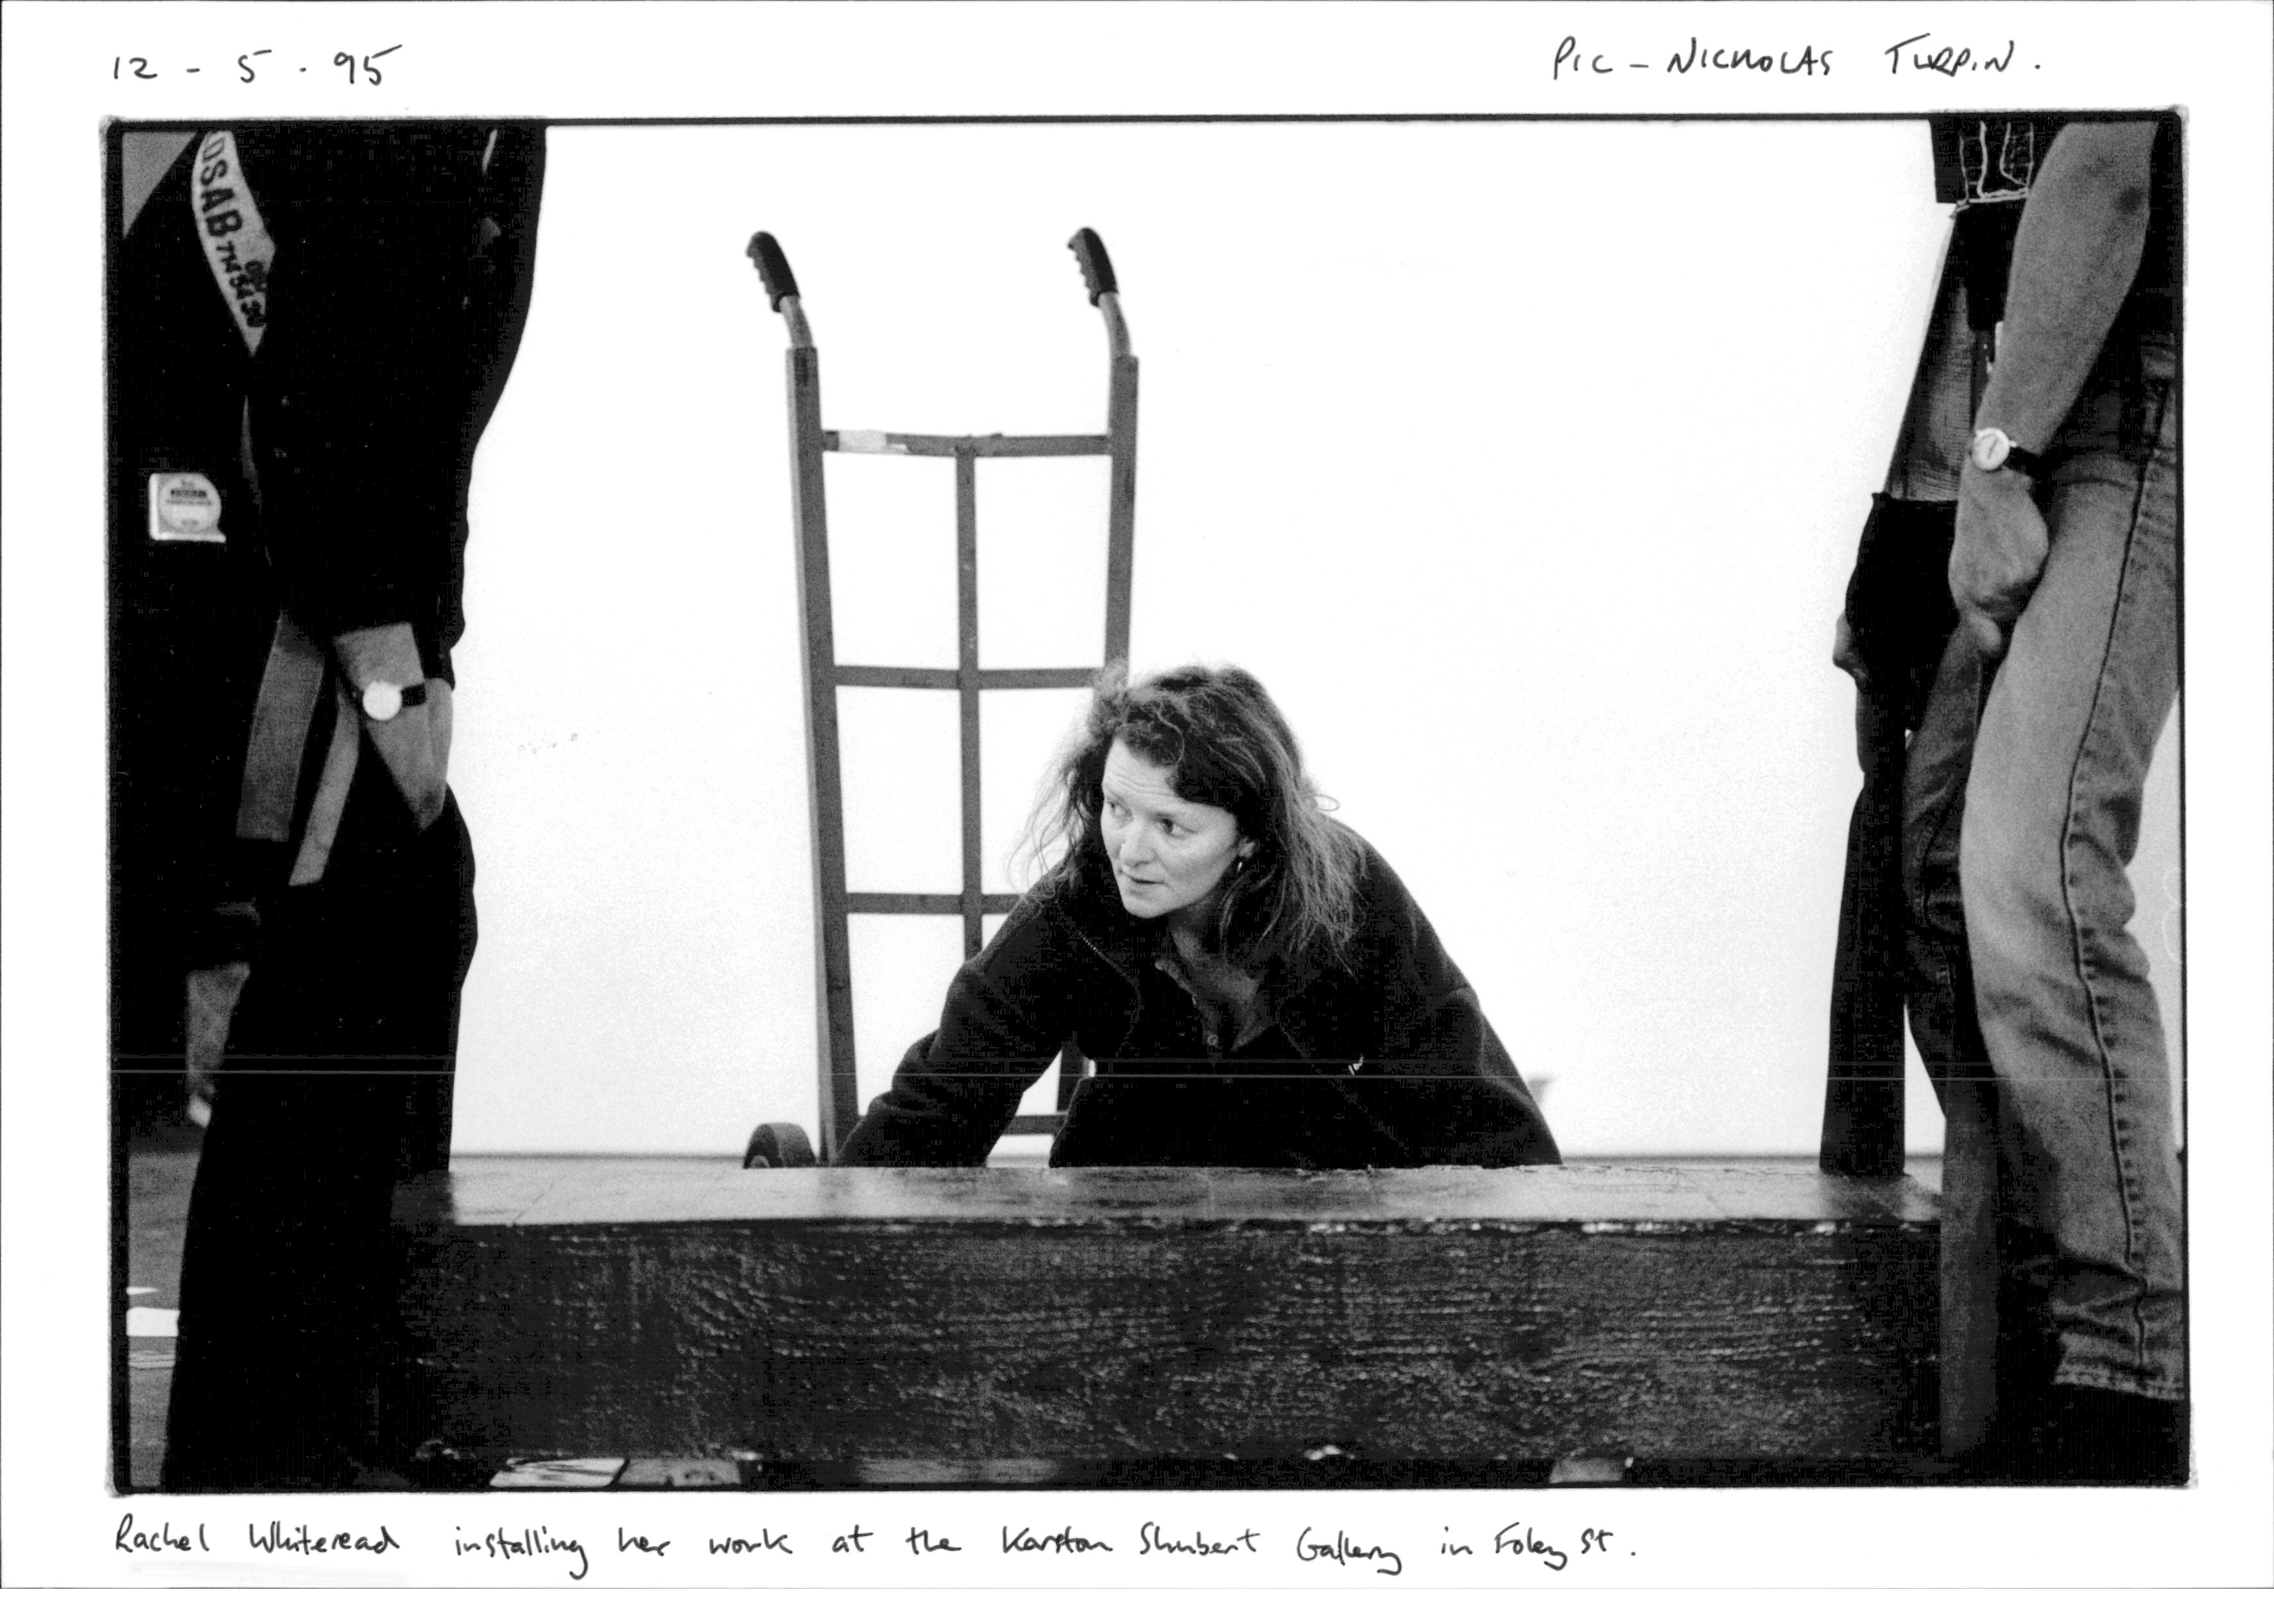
777	1144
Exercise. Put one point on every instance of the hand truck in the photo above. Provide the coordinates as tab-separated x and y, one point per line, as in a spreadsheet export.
784	1144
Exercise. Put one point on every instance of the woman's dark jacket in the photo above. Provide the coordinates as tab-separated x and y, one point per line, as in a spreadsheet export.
1381	1059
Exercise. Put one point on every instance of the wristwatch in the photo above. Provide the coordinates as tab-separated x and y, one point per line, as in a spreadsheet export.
383	702
1994	449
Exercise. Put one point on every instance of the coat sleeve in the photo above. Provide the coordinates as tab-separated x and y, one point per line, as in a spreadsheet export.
356	423
1008	1013
403	266
1443	1087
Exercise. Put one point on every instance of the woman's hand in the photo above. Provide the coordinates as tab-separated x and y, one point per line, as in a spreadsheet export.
1998	556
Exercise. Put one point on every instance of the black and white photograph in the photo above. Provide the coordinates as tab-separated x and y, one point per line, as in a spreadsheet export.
1077	824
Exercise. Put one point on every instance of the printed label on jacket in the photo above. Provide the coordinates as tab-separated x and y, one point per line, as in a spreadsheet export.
237	245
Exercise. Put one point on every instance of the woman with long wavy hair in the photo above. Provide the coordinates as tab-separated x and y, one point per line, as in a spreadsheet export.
1255	986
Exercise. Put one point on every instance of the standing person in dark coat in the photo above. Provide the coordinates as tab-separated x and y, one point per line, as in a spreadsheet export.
313	324
1255	985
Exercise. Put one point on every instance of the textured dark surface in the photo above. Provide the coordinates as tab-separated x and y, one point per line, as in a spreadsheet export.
850	1316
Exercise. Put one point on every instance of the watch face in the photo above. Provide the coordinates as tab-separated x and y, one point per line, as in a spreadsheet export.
1990	449
381	700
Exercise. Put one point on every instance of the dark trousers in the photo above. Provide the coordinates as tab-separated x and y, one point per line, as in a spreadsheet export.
290	1368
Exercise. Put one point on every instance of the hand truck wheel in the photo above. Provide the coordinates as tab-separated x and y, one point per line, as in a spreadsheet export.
779	1145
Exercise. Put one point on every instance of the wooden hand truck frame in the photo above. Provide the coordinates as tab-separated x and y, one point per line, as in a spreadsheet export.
783	1144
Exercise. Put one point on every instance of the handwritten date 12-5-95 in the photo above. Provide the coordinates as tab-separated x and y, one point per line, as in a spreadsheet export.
360	68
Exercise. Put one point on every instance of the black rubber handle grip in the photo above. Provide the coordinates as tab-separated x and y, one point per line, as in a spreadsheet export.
773	269
1096	269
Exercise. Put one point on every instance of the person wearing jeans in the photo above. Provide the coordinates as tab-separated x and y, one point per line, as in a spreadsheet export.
2022	799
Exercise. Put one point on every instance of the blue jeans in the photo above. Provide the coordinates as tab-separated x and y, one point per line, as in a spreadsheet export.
2021	810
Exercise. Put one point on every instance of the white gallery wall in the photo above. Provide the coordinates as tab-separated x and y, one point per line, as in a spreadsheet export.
1524	462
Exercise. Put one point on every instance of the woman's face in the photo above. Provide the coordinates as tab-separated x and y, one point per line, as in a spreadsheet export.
1168	853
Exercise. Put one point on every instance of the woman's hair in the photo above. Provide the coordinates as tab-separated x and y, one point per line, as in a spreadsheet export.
1222	742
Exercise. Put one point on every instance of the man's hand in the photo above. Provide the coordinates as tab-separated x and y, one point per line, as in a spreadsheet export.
412	739
1998	555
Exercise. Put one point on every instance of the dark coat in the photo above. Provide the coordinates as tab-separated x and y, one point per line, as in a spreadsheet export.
399	286
1382	1059
401	281
341	451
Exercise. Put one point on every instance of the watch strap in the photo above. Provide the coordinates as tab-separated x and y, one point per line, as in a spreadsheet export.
1994	450
2035	464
